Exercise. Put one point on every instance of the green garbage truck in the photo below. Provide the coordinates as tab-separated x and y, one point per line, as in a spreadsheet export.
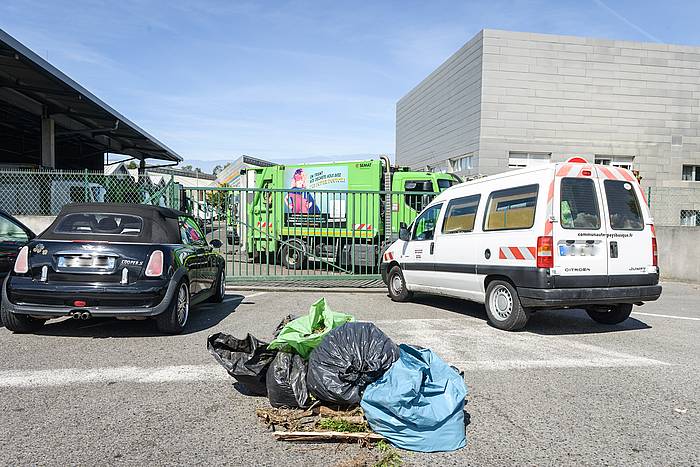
334	213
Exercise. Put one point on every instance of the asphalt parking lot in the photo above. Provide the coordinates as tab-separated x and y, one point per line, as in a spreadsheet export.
564	391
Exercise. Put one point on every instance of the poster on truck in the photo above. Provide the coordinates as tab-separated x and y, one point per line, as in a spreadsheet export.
304	205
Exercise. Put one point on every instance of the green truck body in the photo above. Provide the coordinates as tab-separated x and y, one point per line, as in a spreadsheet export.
333	212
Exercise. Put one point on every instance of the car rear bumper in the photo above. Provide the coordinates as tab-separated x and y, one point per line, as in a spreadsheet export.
554	298
24	296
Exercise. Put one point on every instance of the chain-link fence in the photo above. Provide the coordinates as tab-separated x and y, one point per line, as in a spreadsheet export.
674	206
45	192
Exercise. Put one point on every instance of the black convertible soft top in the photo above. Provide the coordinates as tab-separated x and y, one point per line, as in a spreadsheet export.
160	225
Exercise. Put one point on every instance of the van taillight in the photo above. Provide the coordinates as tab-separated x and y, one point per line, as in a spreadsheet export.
22	261
654	252
154	268
545	255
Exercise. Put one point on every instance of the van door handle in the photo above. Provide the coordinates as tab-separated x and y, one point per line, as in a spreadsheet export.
613	249
432	247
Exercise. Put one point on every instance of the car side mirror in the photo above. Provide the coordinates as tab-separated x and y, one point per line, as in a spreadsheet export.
216	243
404	233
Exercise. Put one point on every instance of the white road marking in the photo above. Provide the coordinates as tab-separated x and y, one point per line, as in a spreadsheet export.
256	294
68	376
461	343
665	316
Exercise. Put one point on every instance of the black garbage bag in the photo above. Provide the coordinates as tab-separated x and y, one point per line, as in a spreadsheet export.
286	320
286	381
246	359
348	359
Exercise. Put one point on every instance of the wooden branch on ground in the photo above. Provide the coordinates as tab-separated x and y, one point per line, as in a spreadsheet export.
325	436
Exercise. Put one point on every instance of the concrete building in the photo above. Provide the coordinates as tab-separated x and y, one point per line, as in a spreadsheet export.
509	99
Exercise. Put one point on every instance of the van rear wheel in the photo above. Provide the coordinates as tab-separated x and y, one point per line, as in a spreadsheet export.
503	306
397	286
615	314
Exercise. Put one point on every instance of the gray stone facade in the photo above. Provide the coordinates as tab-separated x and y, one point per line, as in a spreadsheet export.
505	94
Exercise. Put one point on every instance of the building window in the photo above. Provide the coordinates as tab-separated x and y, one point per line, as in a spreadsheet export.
518	160
624	162
461	164
690	217
691	173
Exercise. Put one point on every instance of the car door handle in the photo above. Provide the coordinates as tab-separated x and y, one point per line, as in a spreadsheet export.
613	249
432	247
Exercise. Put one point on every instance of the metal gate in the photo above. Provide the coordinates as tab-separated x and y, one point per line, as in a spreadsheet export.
287	235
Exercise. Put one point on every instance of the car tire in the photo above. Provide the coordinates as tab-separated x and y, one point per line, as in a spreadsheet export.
293	254
503	306
218	296
174	319
615	315
20	323
397	286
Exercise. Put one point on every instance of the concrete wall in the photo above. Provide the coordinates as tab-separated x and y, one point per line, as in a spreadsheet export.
36	223
574	95
439	118
679	253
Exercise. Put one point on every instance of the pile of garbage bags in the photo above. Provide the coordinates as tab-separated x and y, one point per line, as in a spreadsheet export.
408	394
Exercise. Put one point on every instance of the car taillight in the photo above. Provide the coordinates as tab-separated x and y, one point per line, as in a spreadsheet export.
654	252
545	256
22	261
154	268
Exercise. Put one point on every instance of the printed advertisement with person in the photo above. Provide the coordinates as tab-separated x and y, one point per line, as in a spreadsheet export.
306	204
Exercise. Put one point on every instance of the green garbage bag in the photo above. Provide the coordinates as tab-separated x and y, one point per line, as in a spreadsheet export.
303	334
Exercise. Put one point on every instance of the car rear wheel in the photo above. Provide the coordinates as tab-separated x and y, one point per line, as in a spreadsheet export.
397	286
615	314
174	318
20	323
503	306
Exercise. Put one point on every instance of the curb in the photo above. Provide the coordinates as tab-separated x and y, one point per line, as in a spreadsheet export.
270	288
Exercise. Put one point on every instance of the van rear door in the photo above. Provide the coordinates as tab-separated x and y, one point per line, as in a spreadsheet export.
580	246
630	229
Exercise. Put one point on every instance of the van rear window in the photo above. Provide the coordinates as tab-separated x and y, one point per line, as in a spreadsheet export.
623	206
100	224
578	208
513	208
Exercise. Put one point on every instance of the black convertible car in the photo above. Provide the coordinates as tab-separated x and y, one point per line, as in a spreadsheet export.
114	260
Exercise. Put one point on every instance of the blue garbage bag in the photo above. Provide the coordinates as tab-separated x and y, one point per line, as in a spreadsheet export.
418	404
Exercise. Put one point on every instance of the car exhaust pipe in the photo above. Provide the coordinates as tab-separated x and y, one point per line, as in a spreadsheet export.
75	315
84	315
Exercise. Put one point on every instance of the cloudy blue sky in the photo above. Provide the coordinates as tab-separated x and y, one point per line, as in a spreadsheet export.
292	79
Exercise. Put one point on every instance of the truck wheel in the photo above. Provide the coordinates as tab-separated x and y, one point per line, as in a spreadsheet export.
174	318
615	315
503	306
293	256
20	323
397	286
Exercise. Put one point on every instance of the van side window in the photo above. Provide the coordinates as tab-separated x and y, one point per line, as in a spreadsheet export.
512	208
425	224
460	214
578	206
623	206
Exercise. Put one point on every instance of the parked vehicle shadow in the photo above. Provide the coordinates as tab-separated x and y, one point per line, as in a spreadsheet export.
544	322
202	317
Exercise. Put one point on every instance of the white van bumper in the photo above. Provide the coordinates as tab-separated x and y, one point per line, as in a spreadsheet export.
569	297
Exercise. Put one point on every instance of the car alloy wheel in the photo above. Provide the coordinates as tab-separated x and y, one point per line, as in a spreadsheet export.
501	302
183	304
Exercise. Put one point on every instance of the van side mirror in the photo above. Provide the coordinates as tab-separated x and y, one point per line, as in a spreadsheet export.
404	233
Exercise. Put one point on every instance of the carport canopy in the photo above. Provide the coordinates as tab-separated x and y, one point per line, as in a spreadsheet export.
49	120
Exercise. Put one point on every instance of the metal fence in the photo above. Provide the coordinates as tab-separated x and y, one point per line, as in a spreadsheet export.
45	192
674	206
289	235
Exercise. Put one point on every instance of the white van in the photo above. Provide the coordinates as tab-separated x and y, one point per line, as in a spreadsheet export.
565	235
